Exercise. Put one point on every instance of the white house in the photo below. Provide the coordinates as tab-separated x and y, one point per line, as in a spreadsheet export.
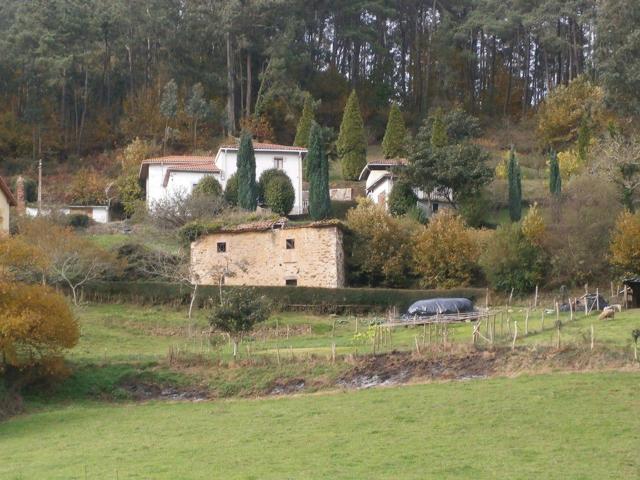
379	177
98	213
6	202
164	177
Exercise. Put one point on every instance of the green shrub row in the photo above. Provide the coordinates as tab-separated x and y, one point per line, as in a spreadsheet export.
327	300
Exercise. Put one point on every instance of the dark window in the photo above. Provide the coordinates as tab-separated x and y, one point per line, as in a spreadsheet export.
222	247
435	207
291	244
291	282
278	162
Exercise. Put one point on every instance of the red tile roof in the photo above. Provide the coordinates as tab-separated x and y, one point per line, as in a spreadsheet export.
268	146
7	192
179	159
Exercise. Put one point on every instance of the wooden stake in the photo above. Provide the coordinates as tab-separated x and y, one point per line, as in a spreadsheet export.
570	310
597	300
557	311
535	299
515	335
511	296
592	336
612	290
333	352
526	323
417	346
542	321
486	299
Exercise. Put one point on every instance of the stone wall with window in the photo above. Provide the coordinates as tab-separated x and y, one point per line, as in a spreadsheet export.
308	256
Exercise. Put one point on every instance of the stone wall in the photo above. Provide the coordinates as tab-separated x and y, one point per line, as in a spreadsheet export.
262	257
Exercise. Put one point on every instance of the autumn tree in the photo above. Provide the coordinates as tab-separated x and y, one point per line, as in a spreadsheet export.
246	174
352	143
130	193
197	108
395	135
88	187
318	174
445	253
380	246
625	243
304	124
238	312
533	226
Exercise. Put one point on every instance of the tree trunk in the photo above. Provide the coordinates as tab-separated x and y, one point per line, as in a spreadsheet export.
231	98
194	293
249	85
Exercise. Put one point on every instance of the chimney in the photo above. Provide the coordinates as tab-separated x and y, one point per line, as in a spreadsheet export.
20	197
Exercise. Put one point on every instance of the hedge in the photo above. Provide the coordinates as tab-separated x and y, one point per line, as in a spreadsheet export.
285	298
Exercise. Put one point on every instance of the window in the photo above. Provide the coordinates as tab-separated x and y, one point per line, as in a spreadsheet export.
278	162
434	207
222	247
291	244
291	282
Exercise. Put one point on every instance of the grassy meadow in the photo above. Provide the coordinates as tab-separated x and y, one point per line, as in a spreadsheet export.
547	426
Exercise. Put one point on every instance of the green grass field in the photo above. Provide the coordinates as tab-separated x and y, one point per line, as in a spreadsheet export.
579	426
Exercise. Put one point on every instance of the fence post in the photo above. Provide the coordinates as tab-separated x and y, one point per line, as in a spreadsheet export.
515	335
526	323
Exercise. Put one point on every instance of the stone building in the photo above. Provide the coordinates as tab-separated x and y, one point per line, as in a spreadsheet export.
271	253
6	202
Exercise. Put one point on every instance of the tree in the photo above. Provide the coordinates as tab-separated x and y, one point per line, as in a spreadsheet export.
36	327
238	312
402	198
619	162
445	253
555	179
533	226
439	136
456	171
318	173
179	208
279	194
352	143
625	243
88	188
208	186
231	190
515	188
618	54
197	108
395	135
304	124
380	246
246	173
168	108
511	261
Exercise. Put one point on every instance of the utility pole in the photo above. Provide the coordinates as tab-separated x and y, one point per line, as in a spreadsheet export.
40	187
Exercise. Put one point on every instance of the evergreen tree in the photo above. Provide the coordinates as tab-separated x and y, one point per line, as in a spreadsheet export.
555	179
584	139
352	144
515	188
393	143
168	108
439	136
304	124
318	168
246	174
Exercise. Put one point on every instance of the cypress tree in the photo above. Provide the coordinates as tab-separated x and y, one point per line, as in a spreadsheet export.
246	174
439	136
555	179
515	188
352	144
584	139
395	135
318	169
304	124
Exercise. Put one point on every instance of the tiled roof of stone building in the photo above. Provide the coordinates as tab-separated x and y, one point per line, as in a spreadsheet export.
7	193
274	224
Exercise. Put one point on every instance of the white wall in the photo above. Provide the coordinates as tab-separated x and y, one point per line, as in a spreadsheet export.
4	213
292	166
384	187
179	182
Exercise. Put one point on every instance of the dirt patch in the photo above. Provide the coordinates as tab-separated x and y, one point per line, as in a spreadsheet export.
401	367
140	391
287	386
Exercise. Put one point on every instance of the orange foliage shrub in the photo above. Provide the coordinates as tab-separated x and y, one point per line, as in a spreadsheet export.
625	243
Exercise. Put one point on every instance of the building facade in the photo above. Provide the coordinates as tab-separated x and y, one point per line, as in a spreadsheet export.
271	254
166	177
7	201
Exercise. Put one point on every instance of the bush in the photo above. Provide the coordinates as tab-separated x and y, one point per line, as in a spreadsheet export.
208	186
231	190
265	179
445	253
279	195
511	261
283	298
402	198
625	243
79	220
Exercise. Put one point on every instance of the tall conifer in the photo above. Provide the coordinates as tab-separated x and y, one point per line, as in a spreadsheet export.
555	179
246	174
515	188
439	136
352	144
304	124
318	171
395	135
